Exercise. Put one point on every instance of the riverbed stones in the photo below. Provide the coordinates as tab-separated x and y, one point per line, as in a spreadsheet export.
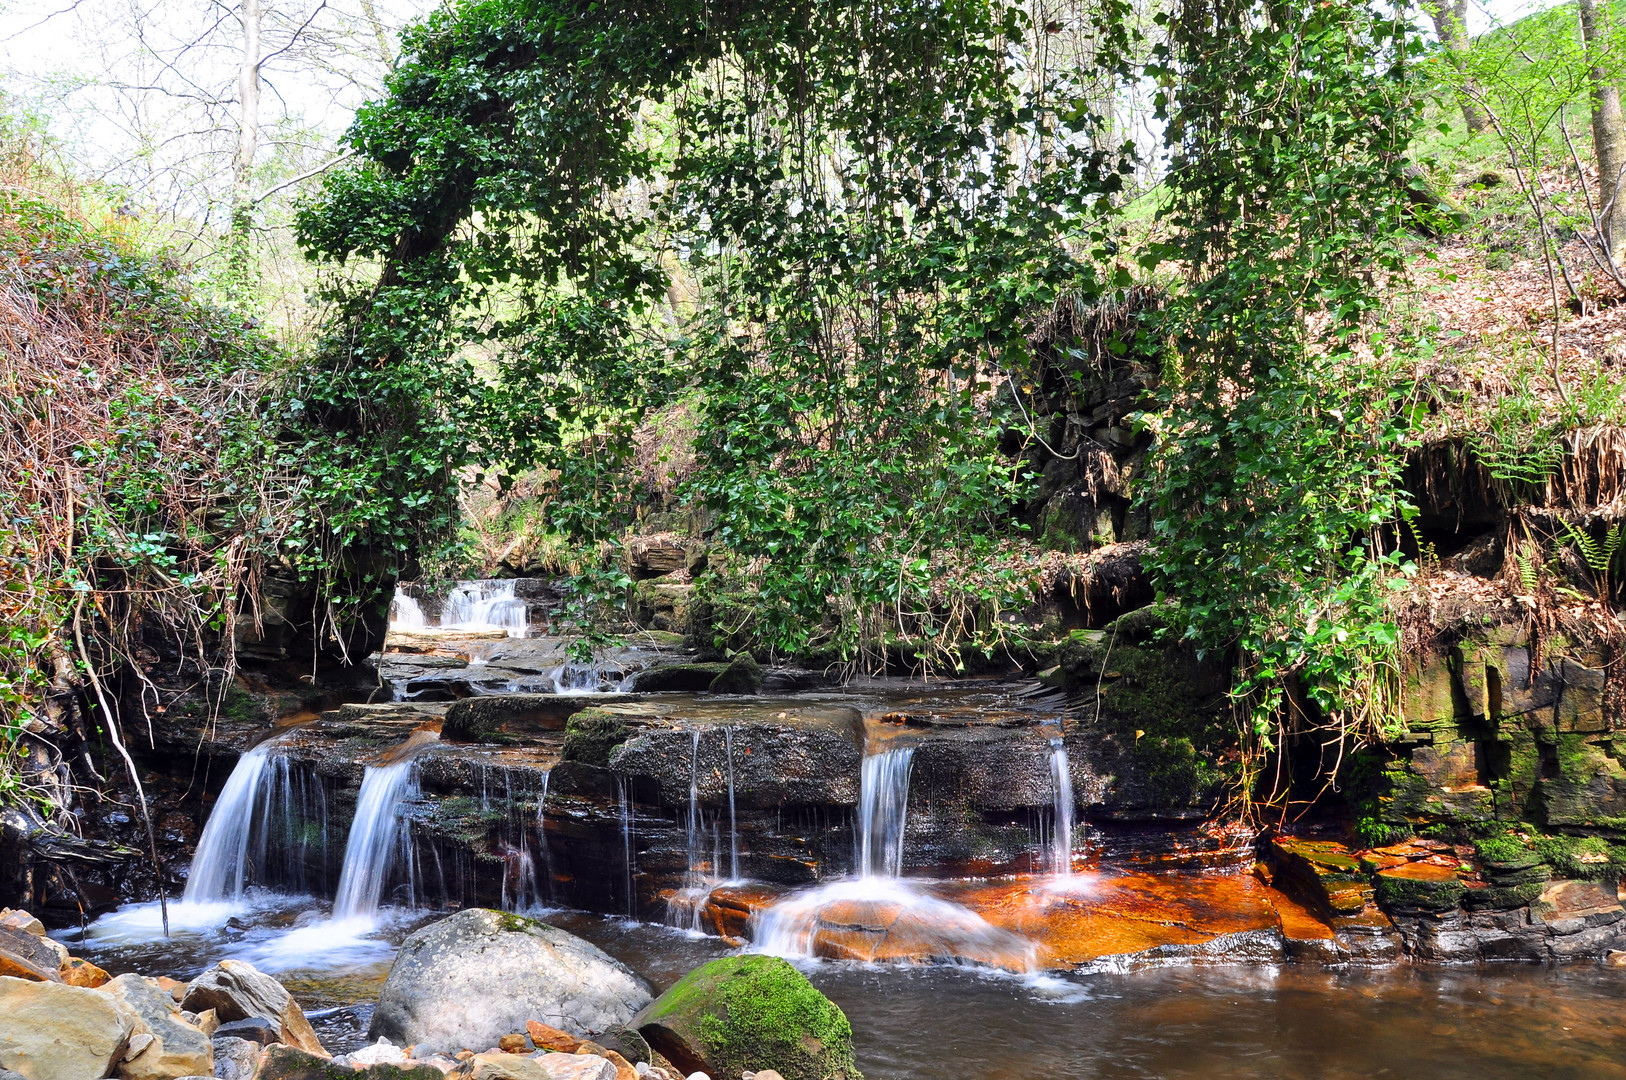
543	1065
49	1031
237	991
175	1047
740	1013
469	979
1419	887
291	1063
235	1059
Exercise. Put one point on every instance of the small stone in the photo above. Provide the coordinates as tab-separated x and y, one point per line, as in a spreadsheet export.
256	1029
697	1076
77	972
1615	958
768	1074
590	1047
513	1044
17	919
551	1038
234	1058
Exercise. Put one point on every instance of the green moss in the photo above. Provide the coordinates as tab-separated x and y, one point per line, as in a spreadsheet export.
592	735
1419	894
759	1012
510	923
1591	858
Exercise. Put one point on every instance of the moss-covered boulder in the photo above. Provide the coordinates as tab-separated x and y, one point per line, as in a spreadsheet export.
486	718
742	676
749	1013
692	678
592	735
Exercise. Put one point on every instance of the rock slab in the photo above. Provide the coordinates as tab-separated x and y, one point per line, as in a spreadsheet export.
466	981
175	1048
49	1031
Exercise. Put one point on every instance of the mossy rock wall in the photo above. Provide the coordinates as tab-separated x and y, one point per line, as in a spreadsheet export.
1490	737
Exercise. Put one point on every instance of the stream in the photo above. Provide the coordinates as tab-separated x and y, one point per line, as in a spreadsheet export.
920	1022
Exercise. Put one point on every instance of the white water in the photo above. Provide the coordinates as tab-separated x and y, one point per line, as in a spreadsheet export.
378	839
406	613
485	605
625	798
220	866
928	928
1061	840
704	872
883	812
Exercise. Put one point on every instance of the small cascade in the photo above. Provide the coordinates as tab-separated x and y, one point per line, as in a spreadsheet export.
220	866
883	812
406	613
523	888
877	915
624	795
1061	838
380	838
485	605
733	823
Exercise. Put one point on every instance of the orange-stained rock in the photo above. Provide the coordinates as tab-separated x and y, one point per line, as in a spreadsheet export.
624	1069
551	1038
514	1044
172	987
1298	922
77	972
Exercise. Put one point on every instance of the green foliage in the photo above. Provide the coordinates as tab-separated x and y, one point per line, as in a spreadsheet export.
851	195
1279	457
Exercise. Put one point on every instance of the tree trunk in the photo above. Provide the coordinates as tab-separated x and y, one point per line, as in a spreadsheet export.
241	242
1608	132
1451	26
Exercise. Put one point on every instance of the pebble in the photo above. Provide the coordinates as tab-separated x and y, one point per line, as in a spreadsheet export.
697	1076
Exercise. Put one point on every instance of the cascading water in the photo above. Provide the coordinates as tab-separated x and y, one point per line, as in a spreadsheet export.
625	798
379	840
485	605
1061	839
917	925
220	866
883	812
733	824
406	613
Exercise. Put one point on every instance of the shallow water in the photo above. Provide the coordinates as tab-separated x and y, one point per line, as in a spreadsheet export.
917	1023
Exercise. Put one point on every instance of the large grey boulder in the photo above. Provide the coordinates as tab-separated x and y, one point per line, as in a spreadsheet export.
175	1048
49	1031
464	982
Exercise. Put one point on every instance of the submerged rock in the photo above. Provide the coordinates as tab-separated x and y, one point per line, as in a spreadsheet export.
742	1013
471	978
49	1031
239	991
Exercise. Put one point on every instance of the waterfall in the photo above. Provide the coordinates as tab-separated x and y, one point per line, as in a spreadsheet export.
220	866
625	797
405	612
733	827
883	810
1061	840
378	838
485	605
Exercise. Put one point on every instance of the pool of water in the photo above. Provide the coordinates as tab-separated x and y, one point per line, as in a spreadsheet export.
1481	1023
